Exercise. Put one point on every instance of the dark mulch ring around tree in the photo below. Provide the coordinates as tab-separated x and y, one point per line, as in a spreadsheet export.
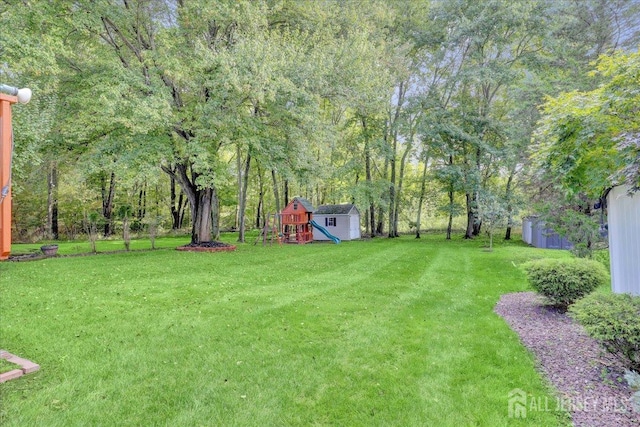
589	381
213	246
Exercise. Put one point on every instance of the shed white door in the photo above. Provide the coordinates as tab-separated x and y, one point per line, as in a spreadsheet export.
354	226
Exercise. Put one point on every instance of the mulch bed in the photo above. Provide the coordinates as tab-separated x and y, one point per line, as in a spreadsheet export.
213	246
34	256
27	257
590	382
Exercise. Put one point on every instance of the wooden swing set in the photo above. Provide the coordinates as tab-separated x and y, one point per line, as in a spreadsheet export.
292	225
271	230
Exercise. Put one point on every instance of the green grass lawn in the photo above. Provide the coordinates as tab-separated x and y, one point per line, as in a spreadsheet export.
383	332
7	366
104	245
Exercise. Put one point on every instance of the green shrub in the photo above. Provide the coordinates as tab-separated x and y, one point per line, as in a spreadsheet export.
564	282
602	256
614	320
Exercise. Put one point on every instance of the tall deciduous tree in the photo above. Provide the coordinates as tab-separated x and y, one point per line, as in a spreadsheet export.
332	99
182	82
587	141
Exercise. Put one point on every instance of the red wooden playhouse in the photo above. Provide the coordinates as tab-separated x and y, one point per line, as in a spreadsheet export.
298	224
296	219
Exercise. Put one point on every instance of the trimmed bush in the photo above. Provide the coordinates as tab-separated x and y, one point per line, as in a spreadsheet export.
564	282
613	320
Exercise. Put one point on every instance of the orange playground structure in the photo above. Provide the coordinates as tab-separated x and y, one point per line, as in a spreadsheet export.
296	218
5	174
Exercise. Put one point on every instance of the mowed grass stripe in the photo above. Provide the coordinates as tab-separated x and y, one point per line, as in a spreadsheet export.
469	354
139	296
379	332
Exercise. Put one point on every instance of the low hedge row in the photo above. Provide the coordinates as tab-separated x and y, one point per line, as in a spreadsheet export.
612	319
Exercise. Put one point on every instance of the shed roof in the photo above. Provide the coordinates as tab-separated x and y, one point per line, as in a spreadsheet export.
336	209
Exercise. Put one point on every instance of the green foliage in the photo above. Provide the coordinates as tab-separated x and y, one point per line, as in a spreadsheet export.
603	257
124	211
492	211
629	146
564	282
613	320
580	131
126	86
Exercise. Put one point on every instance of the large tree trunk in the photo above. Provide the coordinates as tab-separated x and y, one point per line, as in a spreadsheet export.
276	195
423	186
450	224
202	201
239	185
243	198
367	167
178	205
380	225
451	199
201	214
392	187
215	214
393	190
108	193
477	221
260	219
403	162
286	192
470	216
509	202
380	222
142	202
52	201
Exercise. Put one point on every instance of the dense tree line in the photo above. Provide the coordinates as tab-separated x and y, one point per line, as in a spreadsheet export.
215	113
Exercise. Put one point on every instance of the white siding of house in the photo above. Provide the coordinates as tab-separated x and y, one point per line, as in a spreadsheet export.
624	240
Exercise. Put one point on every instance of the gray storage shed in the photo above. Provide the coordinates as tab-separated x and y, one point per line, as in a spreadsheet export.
343	221
623	213
527	224
536	233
